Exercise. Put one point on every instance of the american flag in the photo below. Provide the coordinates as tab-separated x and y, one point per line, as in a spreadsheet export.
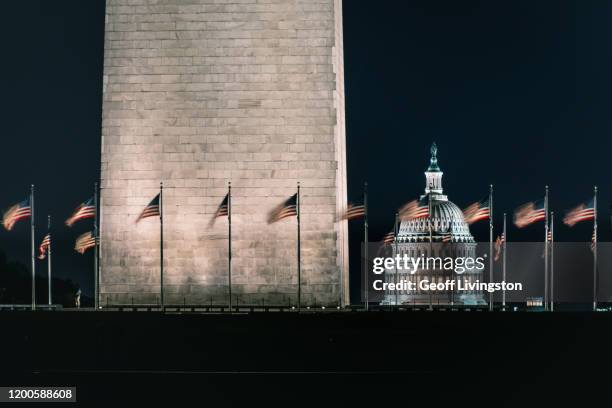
549	239
414	209
286	209
389	238
16	213
83	211
151	210
84	242
222	210
593	241
499	243
353	212
584	212
477	211
44	246
447	237
529	213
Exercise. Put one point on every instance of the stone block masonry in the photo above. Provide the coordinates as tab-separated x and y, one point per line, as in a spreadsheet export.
198	93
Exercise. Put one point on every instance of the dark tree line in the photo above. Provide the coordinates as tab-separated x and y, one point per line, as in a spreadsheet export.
16	286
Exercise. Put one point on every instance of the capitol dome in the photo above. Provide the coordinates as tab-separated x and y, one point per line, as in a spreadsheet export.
441	233
446	218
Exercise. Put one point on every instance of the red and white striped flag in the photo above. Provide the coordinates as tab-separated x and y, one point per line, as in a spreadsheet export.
529	213
499	243
549	239
477	211
16	213
83	211
222	210
287	209
414	209
352	212
44	246
389	238
85	242
151	210
584	212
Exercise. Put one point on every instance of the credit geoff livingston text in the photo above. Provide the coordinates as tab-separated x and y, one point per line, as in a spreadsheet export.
462	266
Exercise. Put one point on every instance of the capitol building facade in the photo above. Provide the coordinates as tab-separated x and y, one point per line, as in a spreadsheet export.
443	234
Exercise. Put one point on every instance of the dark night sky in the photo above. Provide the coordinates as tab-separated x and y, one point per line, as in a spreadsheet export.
515	93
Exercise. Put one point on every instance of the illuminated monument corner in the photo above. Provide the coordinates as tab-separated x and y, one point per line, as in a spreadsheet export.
200	93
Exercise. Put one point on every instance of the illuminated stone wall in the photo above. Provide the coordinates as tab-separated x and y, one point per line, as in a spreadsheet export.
201	92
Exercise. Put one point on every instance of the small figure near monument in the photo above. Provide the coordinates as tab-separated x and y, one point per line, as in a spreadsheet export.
77	299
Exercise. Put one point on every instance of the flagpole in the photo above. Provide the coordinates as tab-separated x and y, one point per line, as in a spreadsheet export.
96	251
299	256
49	258
430	239
161	243
546	250
491	305
552	261
365	249
229	241
33	232
595	249
396	253
504	264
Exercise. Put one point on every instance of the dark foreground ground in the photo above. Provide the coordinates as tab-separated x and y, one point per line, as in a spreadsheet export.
350	359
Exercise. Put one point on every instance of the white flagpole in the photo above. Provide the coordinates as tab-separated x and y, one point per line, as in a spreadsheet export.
96	251
595	249
552	261
395	233
161	245
49	257
491	278
33	244
299	250
430	240
546	250
365	248
504	264
229	242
